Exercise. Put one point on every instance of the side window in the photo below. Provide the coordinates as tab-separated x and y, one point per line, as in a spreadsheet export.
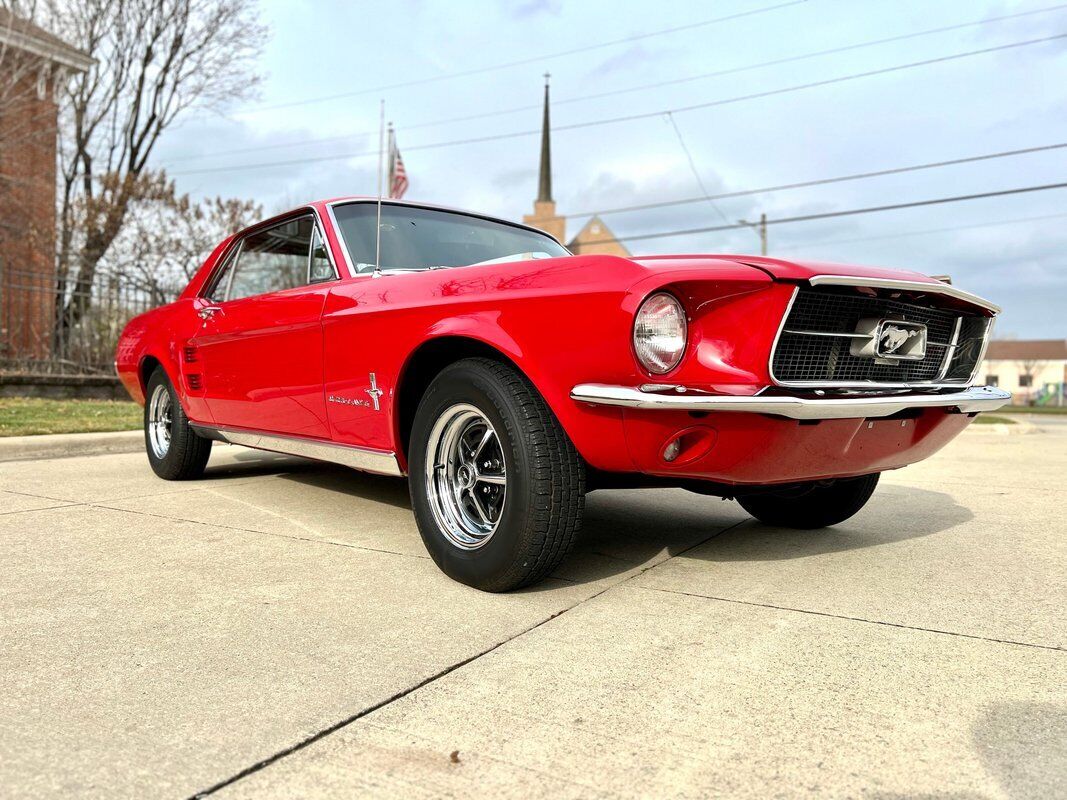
320	268
271	260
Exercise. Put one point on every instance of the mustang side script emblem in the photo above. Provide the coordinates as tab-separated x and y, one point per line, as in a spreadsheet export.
890	340
374	392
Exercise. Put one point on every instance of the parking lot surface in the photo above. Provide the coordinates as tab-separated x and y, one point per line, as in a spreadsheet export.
277	630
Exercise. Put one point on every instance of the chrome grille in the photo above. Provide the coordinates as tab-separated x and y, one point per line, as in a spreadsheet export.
814	346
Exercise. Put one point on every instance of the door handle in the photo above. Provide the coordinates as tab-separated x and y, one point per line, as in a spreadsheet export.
207	312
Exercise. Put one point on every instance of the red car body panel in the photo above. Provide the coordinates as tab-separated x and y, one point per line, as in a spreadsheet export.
299	362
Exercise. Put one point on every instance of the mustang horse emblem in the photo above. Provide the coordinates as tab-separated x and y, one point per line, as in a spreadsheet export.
893	338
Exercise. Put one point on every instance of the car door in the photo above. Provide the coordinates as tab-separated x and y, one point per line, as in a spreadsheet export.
260	346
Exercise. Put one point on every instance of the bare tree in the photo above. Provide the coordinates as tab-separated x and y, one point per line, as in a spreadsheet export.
154	59
167	236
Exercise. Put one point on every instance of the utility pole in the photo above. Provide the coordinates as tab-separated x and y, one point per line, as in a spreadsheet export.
761	230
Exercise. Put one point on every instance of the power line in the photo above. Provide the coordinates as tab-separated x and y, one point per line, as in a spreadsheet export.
529	60
850	212
643	87
901	234
693	168
825	181
634	117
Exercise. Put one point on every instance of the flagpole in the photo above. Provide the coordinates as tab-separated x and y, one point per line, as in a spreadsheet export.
381	160
390	158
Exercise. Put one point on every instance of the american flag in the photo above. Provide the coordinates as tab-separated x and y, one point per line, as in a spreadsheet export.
398	176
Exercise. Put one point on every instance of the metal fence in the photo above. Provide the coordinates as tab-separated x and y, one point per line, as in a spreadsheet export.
49	328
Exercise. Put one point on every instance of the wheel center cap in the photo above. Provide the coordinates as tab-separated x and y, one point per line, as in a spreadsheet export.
465	476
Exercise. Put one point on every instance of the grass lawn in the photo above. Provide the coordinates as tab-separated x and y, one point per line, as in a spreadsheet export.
1032	410
21	416
986	419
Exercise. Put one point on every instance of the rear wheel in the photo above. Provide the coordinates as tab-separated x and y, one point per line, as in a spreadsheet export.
175	452
814	505
496	486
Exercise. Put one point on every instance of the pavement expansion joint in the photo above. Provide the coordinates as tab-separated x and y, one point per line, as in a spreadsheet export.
269	760
847	618
250	530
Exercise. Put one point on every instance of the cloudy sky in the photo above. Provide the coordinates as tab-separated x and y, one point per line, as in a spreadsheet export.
309	133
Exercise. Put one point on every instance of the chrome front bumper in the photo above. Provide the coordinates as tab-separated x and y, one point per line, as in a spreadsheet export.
976	398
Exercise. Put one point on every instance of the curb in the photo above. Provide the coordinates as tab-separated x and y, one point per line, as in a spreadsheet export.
65	445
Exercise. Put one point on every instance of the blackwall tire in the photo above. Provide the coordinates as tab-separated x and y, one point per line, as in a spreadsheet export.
175	451
812	507
505	516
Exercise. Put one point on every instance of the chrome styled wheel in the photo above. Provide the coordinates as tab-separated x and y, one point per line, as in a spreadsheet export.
466	479
160	421
496	485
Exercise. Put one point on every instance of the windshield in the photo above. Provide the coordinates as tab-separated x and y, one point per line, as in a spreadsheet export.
422	238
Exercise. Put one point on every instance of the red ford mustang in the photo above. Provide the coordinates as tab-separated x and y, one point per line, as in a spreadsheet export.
506	377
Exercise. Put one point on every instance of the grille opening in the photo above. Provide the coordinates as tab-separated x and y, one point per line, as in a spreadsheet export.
814	346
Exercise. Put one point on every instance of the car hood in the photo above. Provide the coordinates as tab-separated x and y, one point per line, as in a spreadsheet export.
779	268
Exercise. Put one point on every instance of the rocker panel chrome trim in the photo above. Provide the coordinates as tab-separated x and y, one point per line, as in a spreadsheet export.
380	462
977	398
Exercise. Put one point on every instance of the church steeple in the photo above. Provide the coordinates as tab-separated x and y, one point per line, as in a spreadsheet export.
544	191
544	214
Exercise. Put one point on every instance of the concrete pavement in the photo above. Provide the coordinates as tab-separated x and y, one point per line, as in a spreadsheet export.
276	630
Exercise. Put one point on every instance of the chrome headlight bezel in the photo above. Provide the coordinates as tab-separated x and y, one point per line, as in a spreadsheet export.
664	357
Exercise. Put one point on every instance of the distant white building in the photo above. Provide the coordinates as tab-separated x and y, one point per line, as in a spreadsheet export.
1034	370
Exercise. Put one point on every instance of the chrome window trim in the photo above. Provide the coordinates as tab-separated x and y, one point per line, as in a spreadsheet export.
365	459
318	232
232	266
234	254
330	206
904	286
341	239
321	230
875	283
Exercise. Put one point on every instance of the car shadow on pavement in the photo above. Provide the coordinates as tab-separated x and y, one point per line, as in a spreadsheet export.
624	530
244	463
378	488
895	514
628	529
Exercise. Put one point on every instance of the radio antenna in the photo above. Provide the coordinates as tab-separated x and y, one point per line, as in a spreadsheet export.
381	160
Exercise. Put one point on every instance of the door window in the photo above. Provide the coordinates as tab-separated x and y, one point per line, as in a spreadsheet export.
272	259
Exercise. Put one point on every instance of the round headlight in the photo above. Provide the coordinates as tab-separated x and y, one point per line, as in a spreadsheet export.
659	333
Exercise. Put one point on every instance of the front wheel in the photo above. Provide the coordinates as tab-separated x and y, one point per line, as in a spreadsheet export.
175	451
814	505
496	486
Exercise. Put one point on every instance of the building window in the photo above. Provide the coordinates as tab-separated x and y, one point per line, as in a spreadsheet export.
1026	381
992	380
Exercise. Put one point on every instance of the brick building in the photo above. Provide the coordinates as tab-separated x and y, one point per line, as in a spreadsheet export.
594	237
33	62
